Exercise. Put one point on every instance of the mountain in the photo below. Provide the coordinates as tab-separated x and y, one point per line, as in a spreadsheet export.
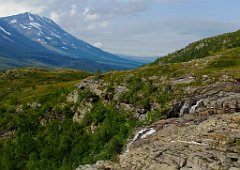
16	50
139	59
176	113
48	34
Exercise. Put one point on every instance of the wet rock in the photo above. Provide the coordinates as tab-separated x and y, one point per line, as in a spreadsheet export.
207	104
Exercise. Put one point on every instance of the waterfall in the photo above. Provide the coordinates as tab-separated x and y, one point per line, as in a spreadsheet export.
185	106
140	135
193	108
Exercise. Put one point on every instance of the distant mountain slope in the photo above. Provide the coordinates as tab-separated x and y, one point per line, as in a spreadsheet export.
140	59
16	50
204	48
47	33
14	43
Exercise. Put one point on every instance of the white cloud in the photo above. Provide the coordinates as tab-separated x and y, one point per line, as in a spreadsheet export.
55	16
98	44
92	17
86	10
104	24
73	10
11	7
91	26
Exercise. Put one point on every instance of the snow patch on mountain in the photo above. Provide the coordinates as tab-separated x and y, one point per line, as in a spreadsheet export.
36	25
8	39
30	17
23	26
14	21
2	29
55	35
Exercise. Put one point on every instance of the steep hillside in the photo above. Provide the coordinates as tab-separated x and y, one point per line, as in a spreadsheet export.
48	34
204	48
180	115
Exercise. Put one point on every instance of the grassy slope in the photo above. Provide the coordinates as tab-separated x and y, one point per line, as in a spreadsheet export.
204	48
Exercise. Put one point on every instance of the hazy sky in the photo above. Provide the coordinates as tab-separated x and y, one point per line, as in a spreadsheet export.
135	27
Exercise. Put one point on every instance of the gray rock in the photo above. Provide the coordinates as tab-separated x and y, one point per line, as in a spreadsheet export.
84	108
186	144
73	97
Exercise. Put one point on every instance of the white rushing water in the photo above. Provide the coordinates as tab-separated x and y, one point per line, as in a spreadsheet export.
140	135
193	108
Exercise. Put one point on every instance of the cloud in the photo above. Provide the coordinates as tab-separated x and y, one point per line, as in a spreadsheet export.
92	17
112	8
55	16
73	10
104	24
86	10
11	7
98	44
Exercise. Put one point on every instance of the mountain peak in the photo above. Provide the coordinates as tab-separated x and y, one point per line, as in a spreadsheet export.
48	34
33	17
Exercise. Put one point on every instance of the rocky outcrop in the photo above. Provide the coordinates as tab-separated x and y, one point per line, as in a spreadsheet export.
185	143
94	85
208	143
202	132
218	98
73	97
83	108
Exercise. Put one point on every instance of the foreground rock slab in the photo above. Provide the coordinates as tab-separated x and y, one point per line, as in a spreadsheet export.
187	143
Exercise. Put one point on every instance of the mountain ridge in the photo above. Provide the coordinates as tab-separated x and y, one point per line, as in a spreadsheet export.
47	33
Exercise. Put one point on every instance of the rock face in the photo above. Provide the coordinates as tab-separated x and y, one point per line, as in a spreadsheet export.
208	142
212	99
202	133
222	102
185	143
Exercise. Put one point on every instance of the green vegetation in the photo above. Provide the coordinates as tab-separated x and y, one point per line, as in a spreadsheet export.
204	48
37	130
